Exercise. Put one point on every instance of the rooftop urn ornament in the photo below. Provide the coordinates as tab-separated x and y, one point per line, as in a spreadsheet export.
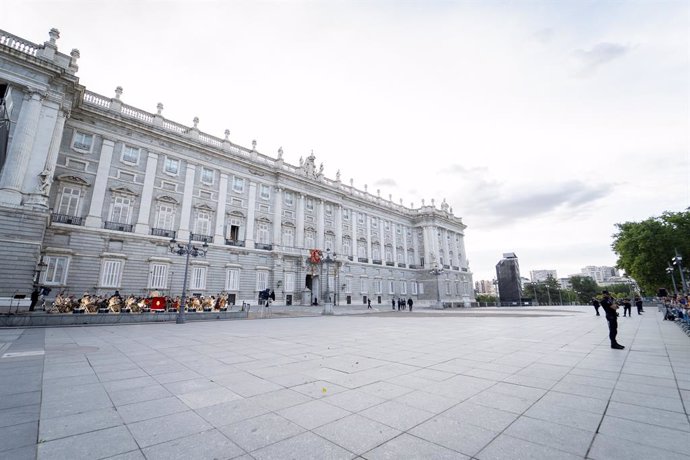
196	122
444	205
280	153
54	34
159	109
378	192
227	135
118	92
253	145
366	188
75	54
352	182
337	175
433	203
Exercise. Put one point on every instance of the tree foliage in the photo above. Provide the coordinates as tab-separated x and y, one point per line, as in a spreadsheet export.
645	248
585	288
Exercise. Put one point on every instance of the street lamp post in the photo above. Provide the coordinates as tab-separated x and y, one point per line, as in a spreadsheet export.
548	293
670	271
328	261
678	260
534	287
437	272
186	250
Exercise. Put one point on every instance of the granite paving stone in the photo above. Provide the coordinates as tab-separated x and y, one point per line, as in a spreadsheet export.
459	436
209	444
84	422
258	432
306	446
313	414
95	444
412	448
356	433
508	447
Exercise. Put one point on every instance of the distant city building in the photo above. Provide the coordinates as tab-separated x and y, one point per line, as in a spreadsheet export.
508	275
600	274
485	287
537	276
565	283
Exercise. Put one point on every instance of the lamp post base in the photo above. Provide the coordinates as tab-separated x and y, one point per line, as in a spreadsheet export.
327	309
180	320
438	306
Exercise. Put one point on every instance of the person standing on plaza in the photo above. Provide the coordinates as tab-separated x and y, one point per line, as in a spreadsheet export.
596	304
638	304
34	299
609	305
627	308
368	303
409	303
392	303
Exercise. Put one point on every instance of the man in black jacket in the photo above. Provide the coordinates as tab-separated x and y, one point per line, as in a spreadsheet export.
609	306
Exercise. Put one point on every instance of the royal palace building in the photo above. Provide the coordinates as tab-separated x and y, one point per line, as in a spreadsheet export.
92	191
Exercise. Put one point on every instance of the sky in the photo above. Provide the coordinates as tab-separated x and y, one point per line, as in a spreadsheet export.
542	123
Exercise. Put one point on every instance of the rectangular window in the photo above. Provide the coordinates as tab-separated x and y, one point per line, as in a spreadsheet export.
348	285
238	184
329	210
310	204
309	240
378	288
69	201
56	270
82	142
232	279
360	218
289	282
166	217
265	192
413	284
198	280
207	176
374	223
397	229
202	225
234	230
158	276
110	273
346	215
289	198
391	287
288	236
263	233
261	280
403	287
347	248
363	286
386	225
420	288
171	166
329	242
447	287
130	154
121	209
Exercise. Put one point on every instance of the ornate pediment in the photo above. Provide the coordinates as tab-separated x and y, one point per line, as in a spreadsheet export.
123	191
73	179
167	199
203	207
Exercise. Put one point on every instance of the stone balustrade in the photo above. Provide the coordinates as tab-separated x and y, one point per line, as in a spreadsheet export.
19	44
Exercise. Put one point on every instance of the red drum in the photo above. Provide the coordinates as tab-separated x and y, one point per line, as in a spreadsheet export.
157	303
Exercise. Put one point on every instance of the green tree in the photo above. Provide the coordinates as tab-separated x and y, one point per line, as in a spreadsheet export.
585	288
645	248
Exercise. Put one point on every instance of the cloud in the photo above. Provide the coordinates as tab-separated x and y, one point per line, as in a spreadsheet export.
588	61
544	35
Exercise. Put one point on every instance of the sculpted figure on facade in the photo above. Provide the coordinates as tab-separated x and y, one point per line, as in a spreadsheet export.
45	179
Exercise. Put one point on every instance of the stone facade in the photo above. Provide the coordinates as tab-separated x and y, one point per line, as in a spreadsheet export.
93	190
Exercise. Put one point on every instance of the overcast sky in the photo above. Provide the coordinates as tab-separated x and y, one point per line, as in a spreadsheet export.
541	123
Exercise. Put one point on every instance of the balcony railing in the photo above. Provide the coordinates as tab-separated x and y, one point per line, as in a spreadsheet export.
401	265
463	269
362	259
163	232
456	268
267	247
350	258
65	219
202	238
118	226
376	262
234	242
390	264
415	266
447	267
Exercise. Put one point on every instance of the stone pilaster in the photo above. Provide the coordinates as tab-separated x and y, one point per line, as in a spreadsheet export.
94	218
20	150
299	237
320	224
251	216
339	229
368	224
277	215
142	226
45	179
219	234
186	212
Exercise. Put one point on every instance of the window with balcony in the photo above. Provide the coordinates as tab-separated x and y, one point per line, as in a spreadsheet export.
413	285
289	198
69	201
309	239
289	282
165	216
309	204
363	285
391	287
261	280
202	223
121	209
263	233
288	236
265	192
403	287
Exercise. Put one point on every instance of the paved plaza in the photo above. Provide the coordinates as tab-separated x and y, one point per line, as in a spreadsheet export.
534	383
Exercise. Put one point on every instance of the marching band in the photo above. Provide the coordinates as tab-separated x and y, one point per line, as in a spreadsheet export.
88	304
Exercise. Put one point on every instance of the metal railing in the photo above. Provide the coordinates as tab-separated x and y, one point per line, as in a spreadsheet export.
163	232
234	242
202	238
265	246
118	226
65	219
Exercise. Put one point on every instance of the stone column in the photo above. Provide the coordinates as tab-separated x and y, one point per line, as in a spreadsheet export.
405	247
142	226
339	229
299	237
94	218
19	152
394	234
446	247
186	212
320	224
40	197
382	241
428	246
415	245
251	216
278	216
219	234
